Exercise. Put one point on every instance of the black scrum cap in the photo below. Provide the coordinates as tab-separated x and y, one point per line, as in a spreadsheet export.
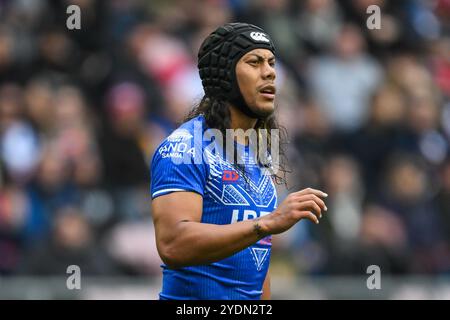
219	54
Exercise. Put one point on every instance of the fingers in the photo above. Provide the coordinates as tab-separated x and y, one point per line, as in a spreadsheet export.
316	199
307	215
311	191
308	204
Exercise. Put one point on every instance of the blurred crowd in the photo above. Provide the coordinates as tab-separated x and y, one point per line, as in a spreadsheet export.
82	111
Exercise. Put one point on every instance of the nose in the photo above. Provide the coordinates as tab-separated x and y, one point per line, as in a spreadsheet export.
268	71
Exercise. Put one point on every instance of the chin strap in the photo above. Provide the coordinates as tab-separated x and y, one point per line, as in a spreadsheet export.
240	103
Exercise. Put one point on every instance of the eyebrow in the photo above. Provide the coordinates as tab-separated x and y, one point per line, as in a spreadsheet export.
261	57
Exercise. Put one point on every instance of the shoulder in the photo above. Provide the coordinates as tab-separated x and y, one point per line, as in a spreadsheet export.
188	131
183	143
178	161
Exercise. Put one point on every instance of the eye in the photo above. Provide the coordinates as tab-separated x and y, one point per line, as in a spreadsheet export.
272	64
253	62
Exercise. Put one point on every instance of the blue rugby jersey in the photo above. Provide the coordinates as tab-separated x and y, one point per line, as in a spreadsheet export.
185	161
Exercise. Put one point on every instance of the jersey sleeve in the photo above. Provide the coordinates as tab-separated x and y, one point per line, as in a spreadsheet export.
177	166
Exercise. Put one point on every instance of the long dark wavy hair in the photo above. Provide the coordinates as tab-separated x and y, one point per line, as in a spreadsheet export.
217	116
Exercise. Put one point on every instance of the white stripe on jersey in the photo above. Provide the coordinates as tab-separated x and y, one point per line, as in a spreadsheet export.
166	190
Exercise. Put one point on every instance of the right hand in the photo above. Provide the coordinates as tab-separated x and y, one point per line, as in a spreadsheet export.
303	204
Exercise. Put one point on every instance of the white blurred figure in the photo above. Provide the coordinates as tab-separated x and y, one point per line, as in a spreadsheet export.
344	81
344	185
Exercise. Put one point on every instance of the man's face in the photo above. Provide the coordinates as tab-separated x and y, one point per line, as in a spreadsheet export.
255	73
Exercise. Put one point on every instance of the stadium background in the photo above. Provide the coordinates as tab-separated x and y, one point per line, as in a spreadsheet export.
81	111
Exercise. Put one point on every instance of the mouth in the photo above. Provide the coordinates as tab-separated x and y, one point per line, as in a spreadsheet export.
268	91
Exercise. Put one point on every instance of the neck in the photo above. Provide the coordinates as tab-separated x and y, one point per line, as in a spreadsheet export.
241	121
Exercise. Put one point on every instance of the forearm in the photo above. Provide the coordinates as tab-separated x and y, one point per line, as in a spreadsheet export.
200	243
